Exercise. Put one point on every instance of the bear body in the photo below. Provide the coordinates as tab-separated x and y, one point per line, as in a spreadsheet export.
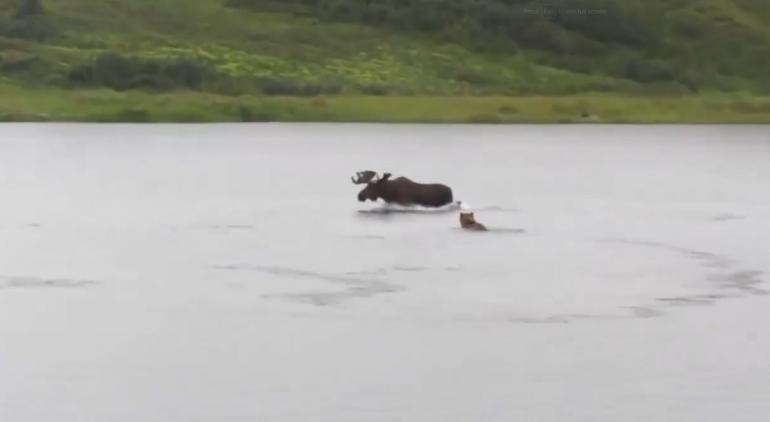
468	222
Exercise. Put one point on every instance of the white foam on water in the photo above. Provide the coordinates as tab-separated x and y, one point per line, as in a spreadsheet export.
416	209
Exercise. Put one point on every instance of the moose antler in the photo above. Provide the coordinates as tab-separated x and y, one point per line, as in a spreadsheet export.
363	177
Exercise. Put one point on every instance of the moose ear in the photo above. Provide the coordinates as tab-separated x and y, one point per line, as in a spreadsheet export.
385	177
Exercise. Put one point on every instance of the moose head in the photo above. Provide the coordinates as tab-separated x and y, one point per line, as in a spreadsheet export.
374	183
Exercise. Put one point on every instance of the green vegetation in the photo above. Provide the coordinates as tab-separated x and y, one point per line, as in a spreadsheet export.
385	60
104	105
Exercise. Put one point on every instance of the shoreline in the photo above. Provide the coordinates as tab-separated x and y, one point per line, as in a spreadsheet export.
106	106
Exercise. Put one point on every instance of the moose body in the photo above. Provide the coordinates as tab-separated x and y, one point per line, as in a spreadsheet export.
402	191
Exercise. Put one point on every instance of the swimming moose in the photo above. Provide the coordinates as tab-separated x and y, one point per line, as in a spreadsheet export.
401	191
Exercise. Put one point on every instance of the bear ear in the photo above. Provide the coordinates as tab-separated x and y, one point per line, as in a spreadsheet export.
385	177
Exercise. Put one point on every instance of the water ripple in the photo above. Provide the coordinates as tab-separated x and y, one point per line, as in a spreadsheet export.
353	287
17	282
727	217
726	281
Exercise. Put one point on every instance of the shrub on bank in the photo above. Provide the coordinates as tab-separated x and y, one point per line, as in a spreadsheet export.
123	73
28	22
33	27
293	88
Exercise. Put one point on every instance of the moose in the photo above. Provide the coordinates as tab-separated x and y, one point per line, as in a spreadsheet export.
401	190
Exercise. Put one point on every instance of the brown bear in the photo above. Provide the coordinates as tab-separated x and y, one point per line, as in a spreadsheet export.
468	220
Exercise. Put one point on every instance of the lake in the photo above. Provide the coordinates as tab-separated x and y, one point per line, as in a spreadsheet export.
185	273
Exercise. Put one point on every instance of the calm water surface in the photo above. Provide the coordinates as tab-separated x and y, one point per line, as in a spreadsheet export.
227	273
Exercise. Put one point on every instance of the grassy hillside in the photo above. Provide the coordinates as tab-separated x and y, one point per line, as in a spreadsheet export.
215	60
